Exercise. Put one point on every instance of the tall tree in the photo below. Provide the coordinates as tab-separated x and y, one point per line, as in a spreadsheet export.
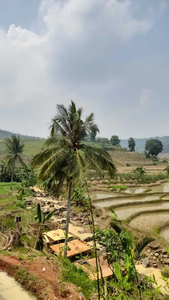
15	149
131	144
153	147
66	157
115	141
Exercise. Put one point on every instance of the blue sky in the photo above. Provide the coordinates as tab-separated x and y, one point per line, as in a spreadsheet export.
109	56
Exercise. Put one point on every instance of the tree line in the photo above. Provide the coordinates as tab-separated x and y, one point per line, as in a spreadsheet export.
152	146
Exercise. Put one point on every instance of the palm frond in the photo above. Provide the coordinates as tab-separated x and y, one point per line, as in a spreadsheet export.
10	163
21	161
42	156
48	217
72	109
89	124
100	159
54	163
81	166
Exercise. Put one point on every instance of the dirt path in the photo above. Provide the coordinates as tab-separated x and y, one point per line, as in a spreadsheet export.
47	285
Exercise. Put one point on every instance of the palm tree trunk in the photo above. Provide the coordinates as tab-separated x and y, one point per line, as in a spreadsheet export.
67	219
12	176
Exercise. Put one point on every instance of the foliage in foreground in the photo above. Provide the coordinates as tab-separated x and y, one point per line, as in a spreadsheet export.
70	273
125	283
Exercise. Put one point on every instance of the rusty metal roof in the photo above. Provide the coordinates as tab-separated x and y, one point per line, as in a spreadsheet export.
89	267
76	247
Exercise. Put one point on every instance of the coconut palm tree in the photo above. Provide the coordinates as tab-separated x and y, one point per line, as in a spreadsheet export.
15	149
67	157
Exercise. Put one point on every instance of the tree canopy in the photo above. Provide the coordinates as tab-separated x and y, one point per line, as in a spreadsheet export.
15	149
115	141
153	147
131	144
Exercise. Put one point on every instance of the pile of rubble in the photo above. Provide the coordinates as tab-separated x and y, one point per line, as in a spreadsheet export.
155	256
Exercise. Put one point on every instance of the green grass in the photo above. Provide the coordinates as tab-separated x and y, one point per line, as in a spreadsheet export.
116	187
70	273
5	187
31	148
27	216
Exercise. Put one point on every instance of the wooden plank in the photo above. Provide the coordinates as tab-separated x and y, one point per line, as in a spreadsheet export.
56	235
46	238
76	247
79	232
89	266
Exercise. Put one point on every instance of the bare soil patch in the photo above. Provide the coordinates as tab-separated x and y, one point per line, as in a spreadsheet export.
47	285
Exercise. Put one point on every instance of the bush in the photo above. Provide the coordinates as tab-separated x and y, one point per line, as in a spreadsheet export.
79	197
165	160
21	204
20	174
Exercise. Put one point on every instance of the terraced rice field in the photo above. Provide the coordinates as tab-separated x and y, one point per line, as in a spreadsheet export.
127	211
147	210
150	221
115	202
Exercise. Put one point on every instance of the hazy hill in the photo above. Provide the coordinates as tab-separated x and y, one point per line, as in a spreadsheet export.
7	134
140	143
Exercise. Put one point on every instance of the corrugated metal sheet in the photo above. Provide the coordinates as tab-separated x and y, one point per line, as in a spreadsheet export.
79	232
89	266
76	247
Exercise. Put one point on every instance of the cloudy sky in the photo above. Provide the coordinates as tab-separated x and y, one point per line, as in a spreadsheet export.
109	56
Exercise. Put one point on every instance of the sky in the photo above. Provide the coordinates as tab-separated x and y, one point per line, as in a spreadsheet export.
110	57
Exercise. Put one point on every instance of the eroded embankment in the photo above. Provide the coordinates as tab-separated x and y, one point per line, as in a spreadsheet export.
44	285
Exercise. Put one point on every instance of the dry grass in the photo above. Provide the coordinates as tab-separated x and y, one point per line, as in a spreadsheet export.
126	162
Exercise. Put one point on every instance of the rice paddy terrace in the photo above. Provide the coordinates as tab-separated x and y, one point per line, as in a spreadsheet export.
145	208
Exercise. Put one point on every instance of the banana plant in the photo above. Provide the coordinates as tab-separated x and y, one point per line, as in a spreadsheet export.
41	219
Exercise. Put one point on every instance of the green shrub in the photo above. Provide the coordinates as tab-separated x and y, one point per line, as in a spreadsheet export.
165	160
21	204
8	223
70	273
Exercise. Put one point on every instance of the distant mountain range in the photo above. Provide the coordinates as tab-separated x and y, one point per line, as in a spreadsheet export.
7	134
140	143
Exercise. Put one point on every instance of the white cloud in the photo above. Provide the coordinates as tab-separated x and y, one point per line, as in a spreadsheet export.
163	4
75	52
145	98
